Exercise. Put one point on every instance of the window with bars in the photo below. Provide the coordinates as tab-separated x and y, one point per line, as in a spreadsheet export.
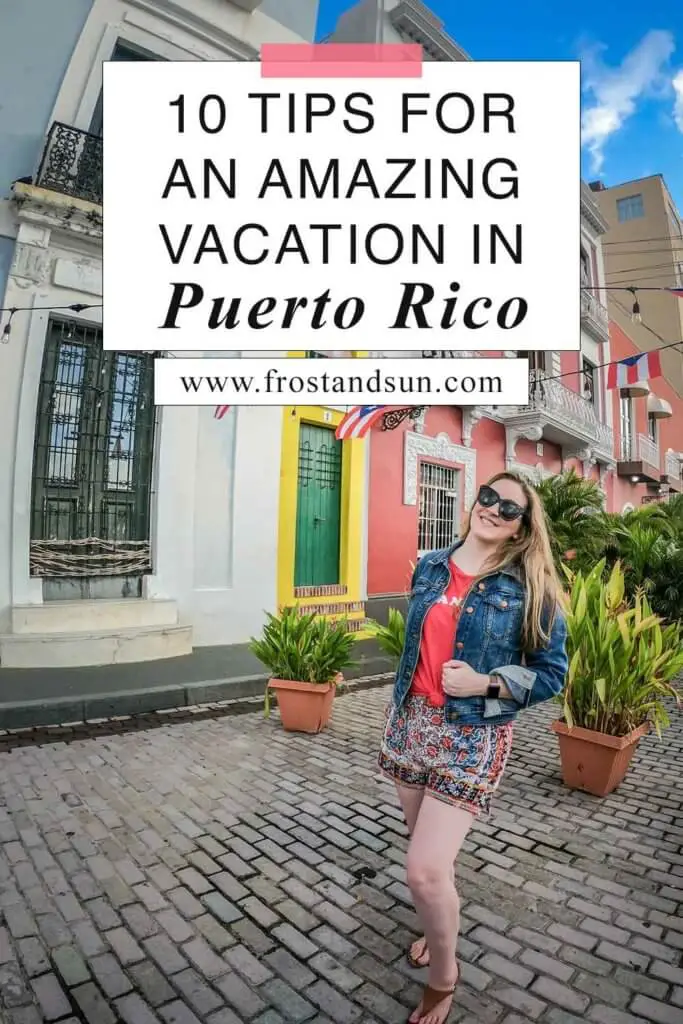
437	524
93	454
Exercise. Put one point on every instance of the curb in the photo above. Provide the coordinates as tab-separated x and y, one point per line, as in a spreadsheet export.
63	730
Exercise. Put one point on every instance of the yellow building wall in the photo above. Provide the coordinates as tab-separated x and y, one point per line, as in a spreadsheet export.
352	518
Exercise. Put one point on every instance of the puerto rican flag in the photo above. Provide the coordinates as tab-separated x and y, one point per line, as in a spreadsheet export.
359	421
634	370
677	291
220	411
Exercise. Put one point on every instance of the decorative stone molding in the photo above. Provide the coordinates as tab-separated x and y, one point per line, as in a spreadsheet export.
470	418
203	29
534	474
419	421
588	458
78	275
44	208
30	265
414	21
442	449
590	211
584	455
527	432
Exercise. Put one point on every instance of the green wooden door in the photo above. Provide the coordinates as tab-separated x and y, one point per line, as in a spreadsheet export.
318	508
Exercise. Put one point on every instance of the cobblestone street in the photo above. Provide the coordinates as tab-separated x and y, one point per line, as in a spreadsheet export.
219	870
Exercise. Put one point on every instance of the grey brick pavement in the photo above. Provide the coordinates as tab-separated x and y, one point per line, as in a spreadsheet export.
222	871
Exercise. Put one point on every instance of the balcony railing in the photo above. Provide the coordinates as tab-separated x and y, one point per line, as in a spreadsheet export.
575	414
672	465
648	451
72	163
593	314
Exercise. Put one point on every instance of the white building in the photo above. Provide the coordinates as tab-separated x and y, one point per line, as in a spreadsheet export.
397	21
171	515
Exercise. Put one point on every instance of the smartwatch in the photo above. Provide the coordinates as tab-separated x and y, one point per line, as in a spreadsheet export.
493	691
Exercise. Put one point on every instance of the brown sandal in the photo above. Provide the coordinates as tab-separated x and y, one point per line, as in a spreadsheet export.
431	997
415	961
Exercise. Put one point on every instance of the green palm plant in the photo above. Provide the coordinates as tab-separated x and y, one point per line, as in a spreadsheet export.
622	658
672	510
392	637
576	521
646	543
666	590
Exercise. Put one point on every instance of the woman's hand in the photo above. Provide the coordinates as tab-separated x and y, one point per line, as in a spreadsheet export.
460	680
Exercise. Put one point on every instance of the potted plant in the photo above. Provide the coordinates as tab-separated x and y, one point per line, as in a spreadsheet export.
392	637
622	664
305	654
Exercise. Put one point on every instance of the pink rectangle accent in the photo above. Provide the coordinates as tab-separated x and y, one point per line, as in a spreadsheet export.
341	60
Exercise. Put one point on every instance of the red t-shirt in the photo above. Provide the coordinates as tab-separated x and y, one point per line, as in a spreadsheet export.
438	635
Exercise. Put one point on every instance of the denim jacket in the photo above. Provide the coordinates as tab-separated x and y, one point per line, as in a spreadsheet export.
488	638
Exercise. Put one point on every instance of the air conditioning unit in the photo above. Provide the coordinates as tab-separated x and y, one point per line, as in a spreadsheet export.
246	5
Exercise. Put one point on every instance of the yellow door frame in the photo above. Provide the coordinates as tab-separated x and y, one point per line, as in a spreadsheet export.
352	501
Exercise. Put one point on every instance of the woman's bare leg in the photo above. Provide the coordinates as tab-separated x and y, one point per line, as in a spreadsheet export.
438	835
411	801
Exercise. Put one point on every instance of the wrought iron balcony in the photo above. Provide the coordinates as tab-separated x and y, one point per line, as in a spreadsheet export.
566	417
72	163
594	316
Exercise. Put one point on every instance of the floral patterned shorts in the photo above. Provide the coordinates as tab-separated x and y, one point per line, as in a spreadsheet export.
460	764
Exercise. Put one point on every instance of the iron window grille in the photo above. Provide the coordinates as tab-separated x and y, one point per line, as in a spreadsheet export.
437	524
93	456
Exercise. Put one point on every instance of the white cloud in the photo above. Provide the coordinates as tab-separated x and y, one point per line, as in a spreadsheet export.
615	91
678	103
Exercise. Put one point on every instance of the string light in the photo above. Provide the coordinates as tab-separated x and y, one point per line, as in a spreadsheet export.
635	312
6	331
74	307
80	307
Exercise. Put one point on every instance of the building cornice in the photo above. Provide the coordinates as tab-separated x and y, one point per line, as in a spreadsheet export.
48	209
590	211
247	5
177	15
415	22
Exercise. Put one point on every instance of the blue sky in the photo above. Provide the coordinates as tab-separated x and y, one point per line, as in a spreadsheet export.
632	56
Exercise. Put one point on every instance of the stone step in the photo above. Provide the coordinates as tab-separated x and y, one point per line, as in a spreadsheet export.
92	616
95	647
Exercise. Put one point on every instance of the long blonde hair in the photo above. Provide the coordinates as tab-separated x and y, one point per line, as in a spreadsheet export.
531	551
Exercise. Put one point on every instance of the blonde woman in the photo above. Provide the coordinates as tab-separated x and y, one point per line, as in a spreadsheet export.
485	638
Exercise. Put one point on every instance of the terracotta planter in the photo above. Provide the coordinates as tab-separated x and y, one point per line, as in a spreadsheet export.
592	761
304	707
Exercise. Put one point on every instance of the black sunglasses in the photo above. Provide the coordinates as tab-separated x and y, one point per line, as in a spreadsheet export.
509	510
